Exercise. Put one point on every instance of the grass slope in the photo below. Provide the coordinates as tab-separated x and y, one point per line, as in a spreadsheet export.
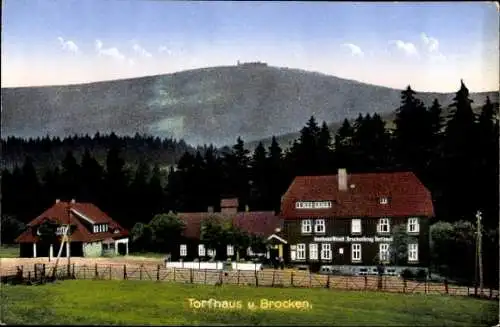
9	251
129	303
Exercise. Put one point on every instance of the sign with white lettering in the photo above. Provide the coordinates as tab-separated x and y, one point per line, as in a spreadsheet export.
348	239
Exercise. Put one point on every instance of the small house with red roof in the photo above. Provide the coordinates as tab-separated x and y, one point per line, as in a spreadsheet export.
93	232
346	221
265	224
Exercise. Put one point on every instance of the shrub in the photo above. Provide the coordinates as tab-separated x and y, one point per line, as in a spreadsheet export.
407	274
421	274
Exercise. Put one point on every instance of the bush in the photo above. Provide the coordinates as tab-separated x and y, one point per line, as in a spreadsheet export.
407	274
421	274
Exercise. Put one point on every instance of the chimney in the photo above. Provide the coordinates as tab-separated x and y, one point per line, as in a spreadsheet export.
210	209
73	201
229	205
247	209
57	200
342	179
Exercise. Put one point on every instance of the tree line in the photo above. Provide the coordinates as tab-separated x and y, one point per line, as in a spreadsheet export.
455	156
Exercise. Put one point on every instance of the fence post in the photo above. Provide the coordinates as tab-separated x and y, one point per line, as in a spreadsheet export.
74	276
291	278
366	282
238	277
310	279
68	268
274	275
404	285
446	287
110	272
174	274
124	272
191	275
425	285
328	281
84	272
256	279
220	277
29	276
43	273
158	273
491	293
96	272
140	272
205	278
36	273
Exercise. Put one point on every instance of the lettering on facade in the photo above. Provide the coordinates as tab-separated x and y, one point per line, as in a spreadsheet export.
348	239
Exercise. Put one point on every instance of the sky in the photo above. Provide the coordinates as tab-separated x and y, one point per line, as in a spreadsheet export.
429	45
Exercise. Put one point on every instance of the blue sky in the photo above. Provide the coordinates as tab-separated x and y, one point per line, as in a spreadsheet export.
429	45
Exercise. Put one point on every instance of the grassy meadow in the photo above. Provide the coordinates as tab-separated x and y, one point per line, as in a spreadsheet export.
9	251
153	303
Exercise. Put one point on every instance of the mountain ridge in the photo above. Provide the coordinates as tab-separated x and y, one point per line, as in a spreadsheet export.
202	106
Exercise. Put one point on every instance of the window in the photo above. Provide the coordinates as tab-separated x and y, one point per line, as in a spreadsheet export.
313	204
413	226
356	226
413	252
211	252
383	225
201	250
293	255
60	231
356	252
319	226
230	250
105	227
306	226
383	252
384	200
301	251
326	251
95	228
313	251
183	250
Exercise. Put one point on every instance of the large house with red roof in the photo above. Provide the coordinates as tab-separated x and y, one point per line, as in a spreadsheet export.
265	224
346	221
93	232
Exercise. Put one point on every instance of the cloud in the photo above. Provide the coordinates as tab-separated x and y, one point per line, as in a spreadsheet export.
431	44
68	45
164	49
141	51
355	50
407	47
110	52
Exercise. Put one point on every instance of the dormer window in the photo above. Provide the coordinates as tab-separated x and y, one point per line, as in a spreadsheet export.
100	228
384	200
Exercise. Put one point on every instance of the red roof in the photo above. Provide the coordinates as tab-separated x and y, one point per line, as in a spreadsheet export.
78	213
407	196
261	223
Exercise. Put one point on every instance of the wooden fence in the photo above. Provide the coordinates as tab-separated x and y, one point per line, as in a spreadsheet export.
262	278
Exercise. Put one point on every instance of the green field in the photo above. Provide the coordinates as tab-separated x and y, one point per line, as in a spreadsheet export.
152	303
9	251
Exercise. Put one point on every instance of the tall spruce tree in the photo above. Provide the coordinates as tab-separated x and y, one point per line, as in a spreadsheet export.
413	133
324	150
344	156
460	155
260	197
